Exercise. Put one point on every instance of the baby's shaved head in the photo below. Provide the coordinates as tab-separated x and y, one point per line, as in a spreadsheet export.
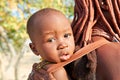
38	17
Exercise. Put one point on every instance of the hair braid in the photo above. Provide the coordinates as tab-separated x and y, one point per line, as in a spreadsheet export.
85	18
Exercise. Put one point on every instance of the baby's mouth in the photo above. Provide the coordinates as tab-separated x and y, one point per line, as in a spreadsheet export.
64	56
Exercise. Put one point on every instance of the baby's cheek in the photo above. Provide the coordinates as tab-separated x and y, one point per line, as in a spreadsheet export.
72	45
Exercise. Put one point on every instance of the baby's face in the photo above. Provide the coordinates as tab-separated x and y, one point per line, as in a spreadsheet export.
54	40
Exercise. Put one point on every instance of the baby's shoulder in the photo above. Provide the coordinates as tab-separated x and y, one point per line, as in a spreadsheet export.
38	72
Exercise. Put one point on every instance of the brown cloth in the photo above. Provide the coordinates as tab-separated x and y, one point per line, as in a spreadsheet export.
39	73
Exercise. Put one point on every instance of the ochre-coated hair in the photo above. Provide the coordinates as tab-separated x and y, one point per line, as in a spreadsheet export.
87	14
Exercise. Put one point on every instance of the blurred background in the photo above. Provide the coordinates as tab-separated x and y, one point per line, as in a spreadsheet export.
16	58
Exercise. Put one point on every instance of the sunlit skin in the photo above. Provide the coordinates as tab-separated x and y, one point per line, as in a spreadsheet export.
108	67
53	40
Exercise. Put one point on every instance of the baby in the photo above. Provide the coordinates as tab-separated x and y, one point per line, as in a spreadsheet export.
52	38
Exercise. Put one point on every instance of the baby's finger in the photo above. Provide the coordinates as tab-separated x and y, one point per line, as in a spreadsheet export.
51	76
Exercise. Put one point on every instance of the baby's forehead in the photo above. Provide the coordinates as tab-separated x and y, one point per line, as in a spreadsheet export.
45	15
47	12
51	16
42	16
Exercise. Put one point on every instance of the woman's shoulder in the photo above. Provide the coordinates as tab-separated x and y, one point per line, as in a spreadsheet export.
112	47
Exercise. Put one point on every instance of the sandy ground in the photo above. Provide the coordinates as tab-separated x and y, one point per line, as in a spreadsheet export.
25	65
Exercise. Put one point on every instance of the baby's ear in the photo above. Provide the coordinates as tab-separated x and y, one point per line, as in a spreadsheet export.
33	48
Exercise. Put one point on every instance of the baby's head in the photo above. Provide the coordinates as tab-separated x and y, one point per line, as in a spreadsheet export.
51	35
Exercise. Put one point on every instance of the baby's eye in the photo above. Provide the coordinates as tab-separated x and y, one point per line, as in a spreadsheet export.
67	35
51	40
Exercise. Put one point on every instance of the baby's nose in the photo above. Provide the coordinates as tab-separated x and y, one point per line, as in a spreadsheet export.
62	46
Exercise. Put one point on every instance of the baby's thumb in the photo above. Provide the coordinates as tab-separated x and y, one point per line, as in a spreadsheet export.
51	76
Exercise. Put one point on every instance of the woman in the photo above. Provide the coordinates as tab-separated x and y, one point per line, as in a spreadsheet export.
93	20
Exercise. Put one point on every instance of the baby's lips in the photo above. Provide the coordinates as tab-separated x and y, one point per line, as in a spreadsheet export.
64	57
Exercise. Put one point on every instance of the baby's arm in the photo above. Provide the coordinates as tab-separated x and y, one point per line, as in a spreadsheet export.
42	74
60	74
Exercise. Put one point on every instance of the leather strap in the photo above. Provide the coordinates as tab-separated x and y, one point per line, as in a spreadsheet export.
80	53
